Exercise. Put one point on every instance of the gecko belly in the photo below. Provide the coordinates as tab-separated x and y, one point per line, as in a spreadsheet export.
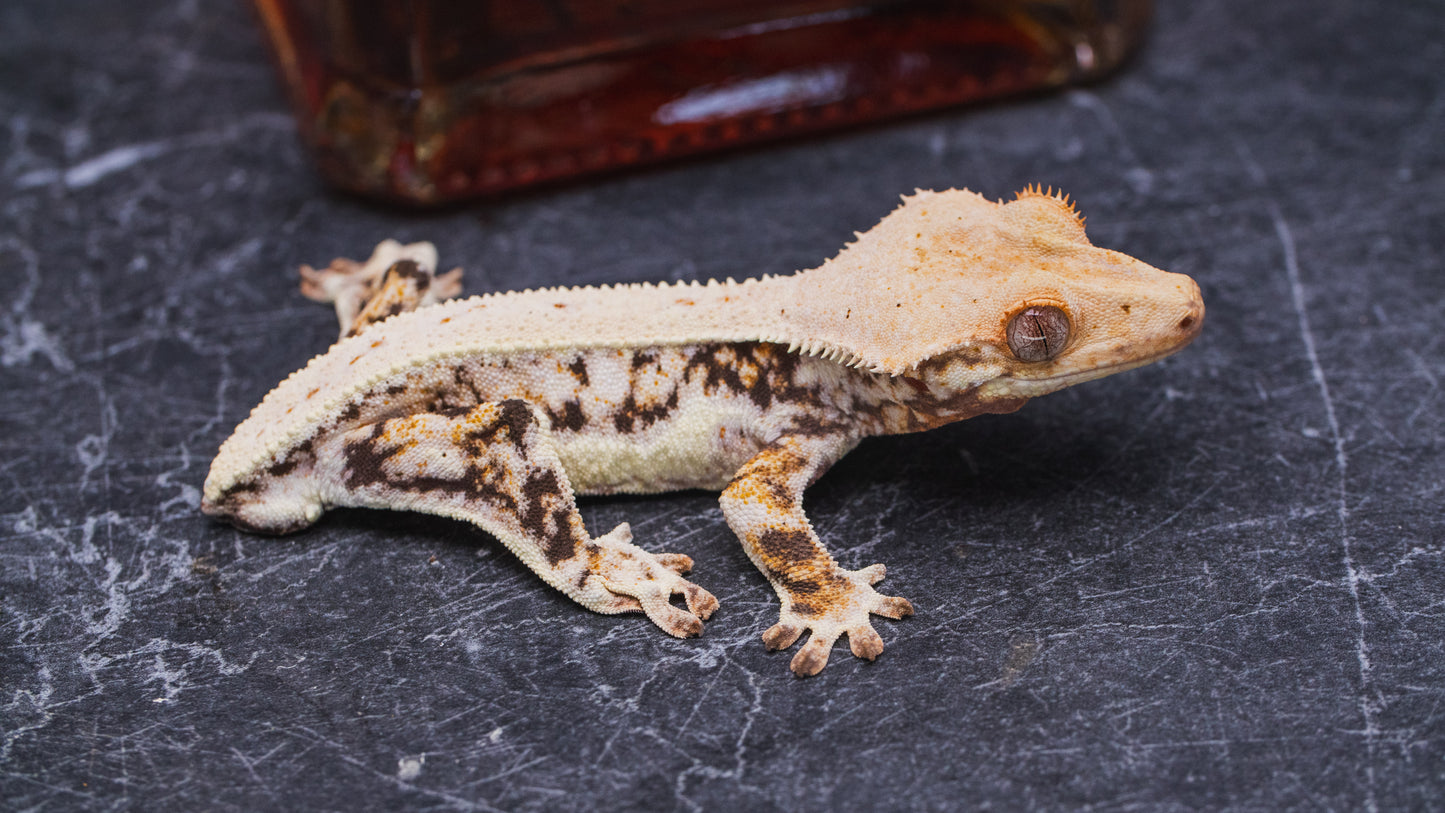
701	445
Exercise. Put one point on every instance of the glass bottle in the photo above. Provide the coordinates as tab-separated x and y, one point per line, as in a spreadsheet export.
431	101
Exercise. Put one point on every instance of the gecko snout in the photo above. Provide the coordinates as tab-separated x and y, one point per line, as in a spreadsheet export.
1191	321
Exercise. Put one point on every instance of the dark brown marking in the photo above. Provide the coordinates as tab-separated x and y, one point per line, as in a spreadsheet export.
792	546
642	358
366	461
802	569
293	458
408	269
465	384
543	500
774	372
514	416
928	412
810	425
630	414
237	490
870	408
570	419
806	609
579	370
718	372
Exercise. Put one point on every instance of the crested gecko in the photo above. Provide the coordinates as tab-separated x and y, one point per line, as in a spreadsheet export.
498	409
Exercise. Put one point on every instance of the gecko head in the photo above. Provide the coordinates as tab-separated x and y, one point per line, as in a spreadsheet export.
1056	310
1006	301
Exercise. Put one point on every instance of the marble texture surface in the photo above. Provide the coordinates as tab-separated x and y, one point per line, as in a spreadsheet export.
1218	582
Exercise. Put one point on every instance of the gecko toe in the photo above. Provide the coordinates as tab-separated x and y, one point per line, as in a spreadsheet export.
673	621
865	642
873	573
781	636
811	659
676	562
699	601
893	607
618	604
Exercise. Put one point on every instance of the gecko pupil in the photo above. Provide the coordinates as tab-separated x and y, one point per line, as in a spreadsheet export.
1038	333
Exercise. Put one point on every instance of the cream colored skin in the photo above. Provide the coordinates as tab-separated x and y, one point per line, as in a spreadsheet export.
497	410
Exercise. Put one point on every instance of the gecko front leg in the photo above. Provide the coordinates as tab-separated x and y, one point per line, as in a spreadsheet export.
763	505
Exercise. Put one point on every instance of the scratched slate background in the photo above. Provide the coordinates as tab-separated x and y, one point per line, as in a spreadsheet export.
1215	582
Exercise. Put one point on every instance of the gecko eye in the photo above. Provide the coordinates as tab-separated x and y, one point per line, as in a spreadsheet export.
1038	333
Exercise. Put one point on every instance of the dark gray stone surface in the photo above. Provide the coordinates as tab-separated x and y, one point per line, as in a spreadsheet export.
1215	582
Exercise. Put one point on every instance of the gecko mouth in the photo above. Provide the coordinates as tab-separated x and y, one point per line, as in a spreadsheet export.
1080	376
1034	387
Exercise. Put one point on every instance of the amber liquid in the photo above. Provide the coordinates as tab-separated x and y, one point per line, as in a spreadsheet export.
433	101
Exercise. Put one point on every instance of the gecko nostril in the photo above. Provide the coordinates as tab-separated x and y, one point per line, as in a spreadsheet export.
1193	316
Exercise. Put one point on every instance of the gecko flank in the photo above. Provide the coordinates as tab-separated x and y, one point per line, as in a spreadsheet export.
498	409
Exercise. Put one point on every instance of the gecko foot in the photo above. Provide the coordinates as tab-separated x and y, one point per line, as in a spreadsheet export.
396	278
350	278
622	577
841	606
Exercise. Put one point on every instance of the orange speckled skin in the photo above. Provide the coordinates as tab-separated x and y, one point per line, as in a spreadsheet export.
497	410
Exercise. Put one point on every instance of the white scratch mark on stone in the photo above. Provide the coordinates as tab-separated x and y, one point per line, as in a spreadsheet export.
87	173
26	338
1352	574
1423	369
34	702
119	159
37	177
22	337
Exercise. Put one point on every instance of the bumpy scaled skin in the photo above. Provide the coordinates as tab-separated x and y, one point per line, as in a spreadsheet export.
496	410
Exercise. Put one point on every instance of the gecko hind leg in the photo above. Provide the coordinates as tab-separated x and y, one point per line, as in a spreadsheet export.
397	278
495	465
